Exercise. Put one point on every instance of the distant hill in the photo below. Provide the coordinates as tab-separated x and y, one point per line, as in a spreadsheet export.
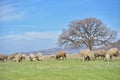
54	50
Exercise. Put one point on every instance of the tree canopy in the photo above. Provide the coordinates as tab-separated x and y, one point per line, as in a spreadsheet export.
88	32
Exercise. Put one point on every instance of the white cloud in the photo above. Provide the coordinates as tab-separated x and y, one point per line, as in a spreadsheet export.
28	41
32	36
9	12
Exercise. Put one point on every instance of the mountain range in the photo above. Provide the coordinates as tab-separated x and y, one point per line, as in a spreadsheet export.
54	50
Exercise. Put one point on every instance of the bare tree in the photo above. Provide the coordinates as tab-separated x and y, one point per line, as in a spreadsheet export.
88	32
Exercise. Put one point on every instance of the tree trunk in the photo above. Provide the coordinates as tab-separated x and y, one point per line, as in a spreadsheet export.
90	46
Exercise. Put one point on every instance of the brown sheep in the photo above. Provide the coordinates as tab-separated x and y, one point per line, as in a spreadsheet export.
100	53
18	57
32	57
39	57
86	55
60	54
110	53
3	58
12	56
23	56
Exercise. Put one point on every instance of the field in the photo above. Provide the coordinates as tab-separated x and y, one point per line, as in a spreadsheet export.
70	69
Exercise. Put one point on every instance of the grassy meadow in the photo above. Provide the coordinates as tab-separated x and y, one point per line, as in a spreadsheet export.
70	69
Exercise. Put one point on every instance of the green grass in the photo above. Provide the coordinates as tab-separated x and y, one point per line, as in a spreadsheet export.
70	69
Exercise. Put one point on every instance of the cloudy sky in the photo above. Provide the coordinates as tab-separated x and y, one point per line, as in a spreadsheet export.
28	25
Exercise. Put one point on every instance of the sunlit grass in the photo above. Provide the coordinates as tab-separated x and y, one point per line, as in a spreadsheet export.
70	69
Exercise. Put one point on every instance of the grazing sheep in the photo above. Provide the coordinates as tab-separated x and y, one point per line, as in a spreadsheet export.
100	53
3	58
60	54
23	56
39	57
110	53
32	57
86	55
12	56
18	57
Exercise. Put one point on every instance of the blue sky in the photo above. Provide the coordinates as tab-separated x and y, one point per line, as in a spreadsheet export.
28	25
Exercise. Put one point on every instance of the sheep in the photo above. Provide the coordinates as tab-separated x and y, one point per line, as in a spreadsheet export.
39	57
32	57
12	56
18	57
3	57
86	54
110	53
60	54
23	56
100	53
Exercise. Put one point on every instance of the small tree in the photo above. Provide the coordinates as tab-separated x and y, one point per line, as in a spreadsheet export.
88	32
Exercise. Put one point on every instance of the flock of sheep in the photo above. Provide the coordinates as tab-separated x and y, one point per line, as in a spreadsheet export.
84	55
107	55
19	57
